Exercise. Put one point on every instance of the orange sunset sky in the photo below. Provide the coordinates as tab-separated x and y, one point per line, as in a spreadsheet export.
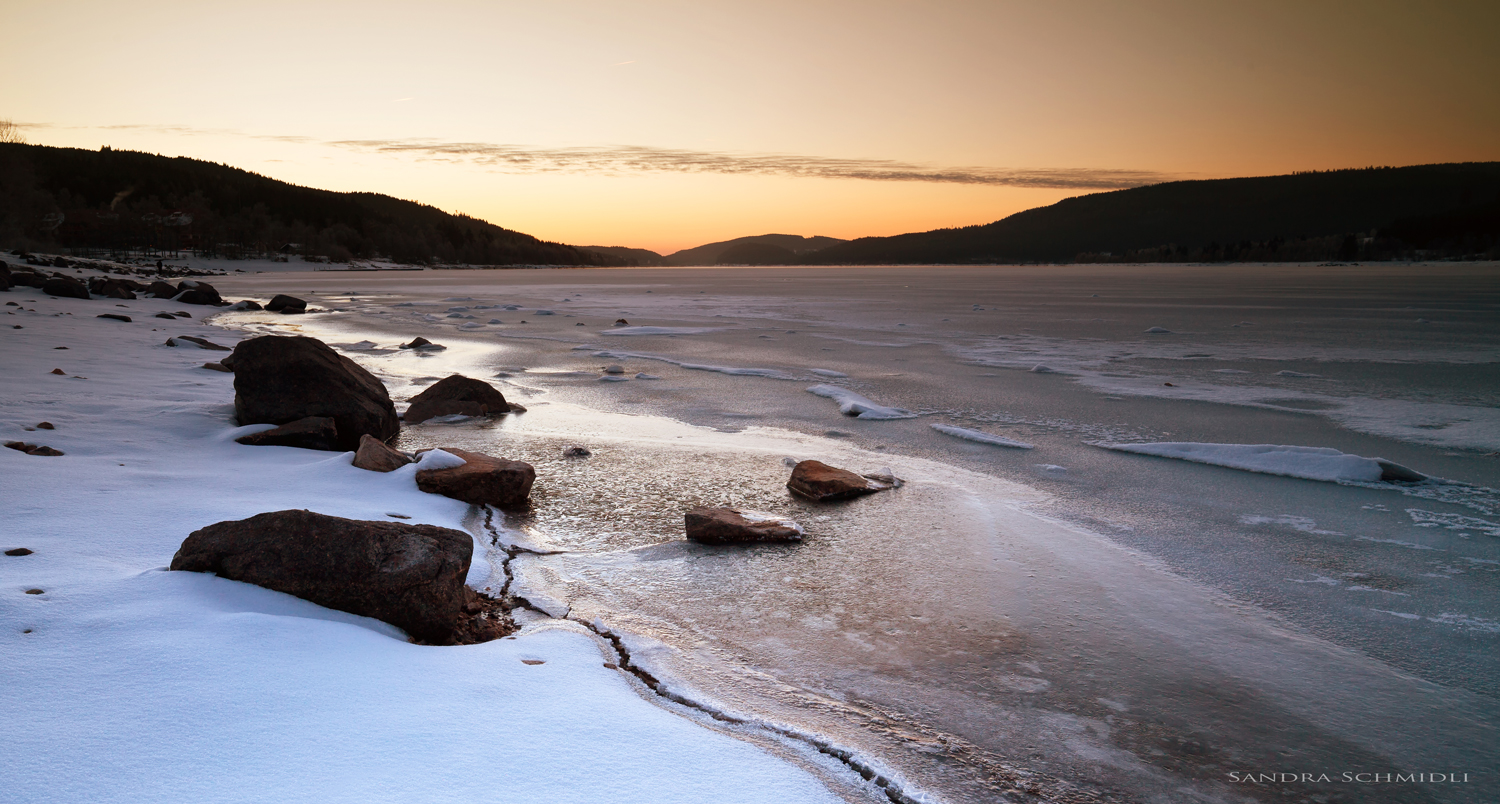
665	125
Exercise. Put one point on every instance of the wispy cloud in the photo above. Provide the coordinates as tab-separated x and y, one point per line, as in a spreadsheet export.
646	159
630	159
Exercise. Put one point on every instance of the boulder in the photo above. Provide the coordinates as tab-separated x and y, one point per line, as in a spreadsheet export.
192	288
411	576
376	456
161	290
481	480
242	306
198	297
313	432
65	287
459	395
27	279
820	482
731	526
422	343
280	379
286	304
111	288
201	343
167	316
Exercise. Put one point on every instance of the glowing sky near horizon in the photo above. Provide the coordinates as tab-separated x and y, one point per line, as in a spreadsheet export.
668	124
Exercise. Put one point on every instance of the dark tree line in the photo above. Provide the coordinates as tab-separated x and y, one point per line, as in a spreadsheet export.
127	201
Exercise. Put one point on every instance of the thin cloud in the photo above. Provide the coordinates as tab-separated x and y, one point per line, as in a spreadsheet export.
632	159
645	159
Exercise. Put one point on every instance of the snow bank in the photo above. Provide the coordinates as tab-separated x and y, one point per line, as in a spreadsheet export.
439	459
127	683
981	437
1308	463
852	404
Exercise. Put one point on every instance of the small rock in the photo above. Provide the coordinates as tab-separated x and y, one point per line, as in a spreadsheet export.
422	343
167	316
820	482
614	369
35	592
481	480
182	314
45	426
44	451
18	551
311	432
59	371
377	456
218	367
201	343
730	526
115	316
242	306
620	322
576	451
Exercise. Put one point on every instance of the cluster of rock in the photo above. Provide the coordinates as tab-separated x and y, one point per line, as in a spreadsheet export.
812	480
187	291
411	576
33	449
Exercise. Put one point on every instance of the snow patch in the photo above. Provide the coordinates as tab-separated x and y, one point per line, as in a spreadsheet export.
852	404
981	437
1307	463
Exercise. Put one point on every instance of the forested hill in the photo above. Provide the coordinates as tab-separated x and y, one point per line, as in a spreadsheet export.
121	200
1376	213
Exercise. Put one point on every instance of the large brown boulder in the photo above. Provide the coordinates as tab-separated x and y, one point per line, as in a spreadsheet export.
377	456
482	480
280	379
731	526
313	432
161	290
281	303
411	576
65	287
456	394
820	482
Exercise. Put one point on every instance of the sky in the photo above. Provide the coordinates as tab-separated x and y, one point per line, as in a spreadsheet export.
667	124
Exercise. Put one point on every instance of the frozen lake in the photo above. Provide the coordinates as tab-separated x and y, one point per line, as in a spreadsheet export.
1066	618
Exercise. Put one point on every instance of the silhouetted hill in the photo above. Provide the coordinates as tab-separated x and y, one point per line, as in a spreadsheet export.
711	253
127	200
629	256
1373	213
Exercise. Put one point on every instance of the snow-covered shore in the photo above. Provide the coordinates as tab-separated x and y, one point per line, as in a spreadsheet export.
121	681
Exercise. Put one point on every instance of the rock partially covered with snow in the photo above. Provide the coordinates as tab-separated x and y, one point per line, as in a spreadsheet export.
820	482
1308	463
313	432
377	456
479	480
422	343
730	526
280	379
456	395
411	576
281	303
161	290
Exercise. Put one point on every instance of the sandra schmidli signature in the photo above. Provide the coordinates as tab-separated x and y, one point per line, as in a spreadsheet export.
1347	777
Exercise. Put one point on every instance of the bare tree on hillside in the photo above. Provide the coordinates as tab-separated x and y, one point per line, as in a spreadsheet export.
9	131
